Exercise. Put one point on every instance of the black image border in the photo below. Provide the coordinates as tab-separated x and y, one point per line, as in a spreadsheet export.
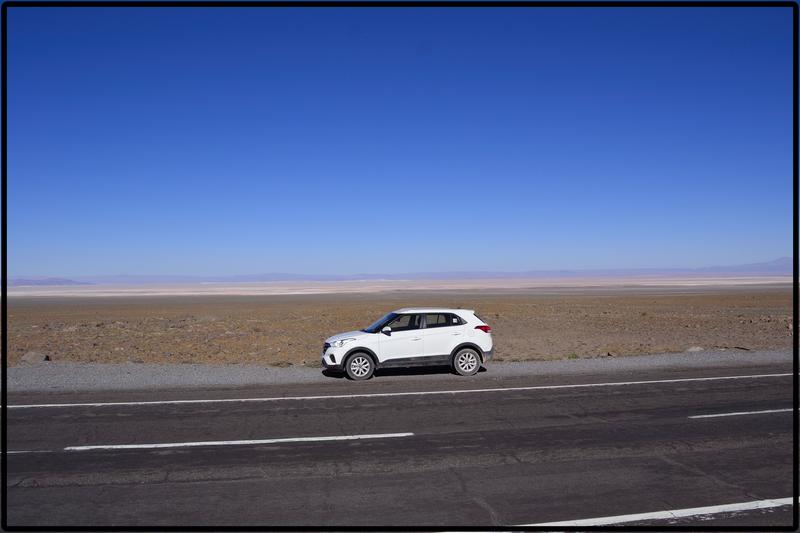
17	4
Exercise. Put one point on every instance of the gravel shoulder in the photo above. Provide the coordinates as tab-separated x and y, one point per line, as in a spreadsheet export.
65	377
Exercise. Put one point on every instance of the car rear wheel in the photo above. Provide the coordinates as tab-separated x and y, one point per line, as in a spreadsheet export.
466	362
359	366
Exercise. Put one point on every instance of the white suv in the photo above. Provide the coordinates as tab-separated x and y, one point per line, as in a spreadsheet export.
417	336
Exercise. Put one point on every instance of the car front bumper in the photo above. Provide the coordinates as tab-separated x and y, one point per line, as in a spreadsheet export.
331	359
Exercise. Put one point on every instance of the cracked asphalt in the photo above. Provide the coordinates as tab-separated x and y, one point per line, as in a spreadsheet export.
498	458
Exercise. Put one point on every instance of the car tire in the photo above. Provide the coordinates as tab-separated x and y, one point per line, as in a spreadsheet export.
359	366
466	362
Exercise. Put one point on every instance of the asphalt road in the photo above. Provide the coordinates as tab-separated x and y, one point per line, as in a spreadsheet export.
531	450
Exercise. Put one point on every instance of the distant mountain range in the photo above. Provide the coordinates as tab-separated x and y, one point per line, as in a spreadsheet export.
33	282
781	266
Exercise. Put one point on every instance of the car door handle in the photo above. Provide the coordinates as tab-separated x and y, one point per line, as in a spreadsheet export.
417	339
456	334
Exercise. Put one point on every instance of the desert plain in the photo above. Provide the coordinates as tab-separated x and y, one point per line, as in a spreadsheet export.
287	327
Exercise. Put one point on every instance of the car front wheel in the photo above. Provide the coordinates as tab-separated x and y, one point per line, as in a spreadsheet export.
466	362
359	366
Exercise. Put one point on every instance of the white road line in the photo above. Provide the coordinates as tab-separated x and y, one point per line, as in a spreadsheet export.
30	451
743	413
391	394
232	442
676	513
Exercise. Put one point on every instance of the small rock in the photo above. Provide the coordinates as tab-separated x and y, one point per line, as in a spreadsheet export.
695	349
609	354
35	357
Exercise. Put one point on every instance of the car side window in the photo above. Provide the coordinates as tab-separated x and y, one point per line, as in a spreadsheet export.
435	321
405	322
454	320
441	320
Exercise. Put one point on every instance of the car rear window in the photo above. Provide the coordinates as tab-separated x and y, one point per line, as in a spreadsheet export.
435	321
440	320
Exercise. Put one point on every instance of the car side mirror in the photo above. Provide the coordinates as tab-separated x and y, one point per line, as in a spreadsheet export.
387	331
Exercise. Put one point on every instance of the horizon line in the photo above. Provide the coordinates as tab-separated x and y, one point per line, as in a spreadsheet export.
779	264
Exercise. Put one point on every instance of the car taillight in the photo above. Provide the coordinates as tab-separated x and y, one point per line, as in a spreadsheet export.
484	328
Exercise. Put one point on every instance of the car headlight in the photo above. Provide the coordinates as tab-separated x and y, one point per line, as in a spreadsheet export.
340	342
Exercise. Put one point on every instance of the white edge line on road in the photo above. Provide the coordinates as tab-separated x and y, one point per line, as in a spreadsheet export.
390	394
30	451
232	442
676	513
744	413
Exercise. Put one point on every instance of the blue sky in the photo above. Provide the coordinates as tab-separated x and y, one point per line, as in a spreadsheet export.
230	141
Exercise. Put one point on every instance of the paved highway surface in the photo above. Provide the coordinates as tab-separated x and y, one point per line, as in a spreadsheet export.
421	449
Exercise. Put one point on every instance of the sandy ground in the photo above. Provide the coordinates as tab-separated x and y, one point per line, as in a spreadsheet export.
283	330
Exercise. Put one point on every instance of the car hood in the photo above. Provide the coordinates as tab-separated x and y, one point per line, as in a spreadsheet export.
347	335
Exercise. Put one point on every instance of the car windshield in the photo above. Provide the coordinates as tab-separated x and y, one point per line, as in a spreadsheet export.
376	326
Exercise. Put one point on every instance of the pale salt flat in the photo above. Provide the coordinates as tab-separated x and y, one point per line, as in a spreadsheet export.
382	286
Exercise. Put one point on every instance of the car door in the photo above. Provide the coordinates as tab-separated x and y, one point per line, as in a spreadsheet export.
405	339
441	334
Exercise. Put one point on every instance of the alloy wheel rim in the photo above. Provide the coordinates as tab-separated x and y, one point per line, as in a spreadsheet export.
360	366
467	361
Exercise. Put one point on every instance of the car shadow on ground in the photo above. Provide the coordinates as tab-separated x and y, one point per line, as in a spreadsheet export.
410	371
